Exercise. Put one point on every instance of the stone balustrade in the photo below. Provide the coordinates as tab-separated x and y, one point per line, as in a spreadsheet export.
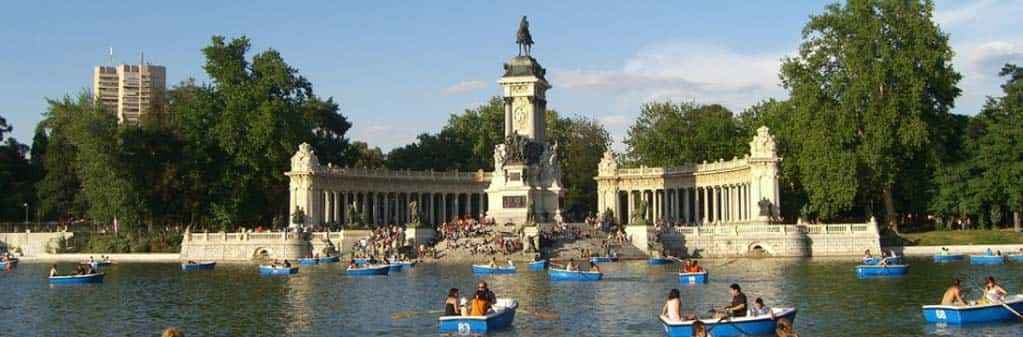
751	239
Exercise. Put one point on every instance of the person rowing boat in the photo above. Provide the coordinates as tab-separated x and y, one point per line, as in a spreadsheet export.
953	295
993	292
738	306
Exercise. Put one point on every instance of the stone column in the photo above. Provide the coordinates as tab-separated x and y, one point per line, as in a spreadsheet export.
630	206
444	207
706	204
685	204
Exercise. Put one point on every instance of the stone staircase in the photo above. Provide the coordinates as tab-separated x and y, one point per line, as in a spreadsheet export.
592	240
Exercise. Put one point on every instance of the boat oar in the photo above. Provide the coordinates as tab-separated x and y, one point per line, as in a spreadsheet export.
1010	309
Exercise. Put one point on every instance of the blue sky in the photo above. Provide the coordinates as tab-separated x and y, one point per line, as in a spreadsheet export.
400	68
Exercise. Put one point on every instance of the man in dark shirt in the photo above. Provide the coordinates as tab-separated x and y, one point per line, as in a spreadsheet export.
490	294
738	306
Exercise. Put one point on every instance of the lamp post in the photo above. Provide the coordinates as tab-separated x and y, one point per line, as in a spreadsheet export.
26	212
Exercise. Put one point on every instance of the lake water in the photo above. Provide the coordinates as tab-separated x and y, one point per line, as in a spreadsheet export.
233	300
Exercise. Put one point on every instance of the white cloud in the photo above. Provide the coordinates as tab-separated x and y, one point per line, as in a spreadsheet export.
386	137
964	14
615	121
463	87
705	74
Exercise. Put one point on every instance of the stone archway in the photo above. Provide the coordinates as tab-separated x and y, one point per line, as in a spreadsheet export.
261	254
759	249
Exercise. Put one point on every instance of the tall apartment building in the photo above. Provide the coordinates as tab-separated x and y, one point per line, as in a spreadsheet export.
131	91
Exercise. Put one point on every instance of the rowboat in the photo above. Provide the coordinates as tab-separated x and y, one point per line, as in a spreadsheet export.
98	263
987	259
500	317
564	275
693	278
948	258
877	260
951	314
330	259
11	262
266	270
77	279
879	270
731	327
405	265
538	265
603	259
485	269
394	267
369	270
198	266
1015	257
659	261
308	261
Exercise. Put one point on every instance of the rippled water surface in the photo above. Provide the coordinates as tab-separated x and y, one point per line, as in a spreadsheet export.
233	300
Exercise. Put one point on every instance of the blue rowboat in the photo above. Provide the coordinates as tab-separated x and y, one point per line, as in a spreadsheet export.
1015	258
879	270
951	314
394	267
308	261
77	279
369	270
871	260
198	266
603	259
266	270
330	259
485	269
948	258
98	263
693	278
538	265
731	327
659	261
986	259
500	317
564	275
405	265
877	260
12	262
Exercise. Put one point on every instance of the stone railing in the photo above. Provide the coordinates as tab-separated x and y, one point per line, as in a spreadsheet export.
247	236
478	176
864	228
688	168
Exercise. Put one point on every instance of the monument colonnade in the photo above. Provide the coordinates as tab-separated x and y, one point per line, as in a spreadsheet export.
334	195
733	191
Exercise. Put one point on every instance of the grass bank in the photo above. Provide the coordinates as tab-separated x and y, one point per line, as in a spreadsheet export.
967	237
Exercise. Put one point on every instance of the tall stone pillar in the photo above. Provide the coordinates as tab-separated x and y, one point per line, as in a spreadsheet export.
444	207
631	204
706	204
685	204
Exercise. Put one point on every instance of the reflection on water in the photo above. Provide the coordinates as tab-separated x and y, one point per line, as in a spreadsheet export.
233	300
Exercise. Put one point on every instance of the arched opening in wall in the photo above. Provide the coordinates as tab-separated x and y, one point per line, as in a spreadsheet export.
758	250
261	254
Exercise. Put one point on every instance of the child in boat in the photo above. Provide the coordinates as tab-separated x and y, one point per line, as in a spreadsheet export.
953	295
759	309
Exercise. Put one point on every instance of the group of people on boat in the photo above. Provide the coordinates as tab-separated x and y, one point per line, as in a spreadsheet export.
481	304
82	269
572	266
493	263
991	293
885	257
690	266
280	264
738	307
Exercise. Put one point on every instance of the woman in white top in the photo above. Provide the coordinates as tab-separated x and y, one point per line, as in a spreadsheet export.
993	292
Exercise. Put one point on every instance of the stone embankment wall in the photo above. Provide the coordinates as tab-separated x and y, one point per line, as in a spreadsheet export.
766	239
275	245
32	244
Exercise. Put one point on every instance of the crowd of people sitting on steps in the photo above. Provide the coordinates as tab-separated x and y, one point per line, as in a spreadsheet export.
479	238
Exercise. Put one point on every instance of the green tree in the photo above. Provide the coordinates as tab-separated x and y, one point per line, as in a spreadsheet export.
872	84
16	176
671	134
999	149
58	191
